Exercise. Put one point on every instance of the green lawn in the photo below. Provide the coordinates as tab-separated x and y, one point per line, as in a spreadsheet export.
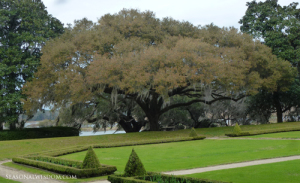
283	172
7	148
292	135
4	180
192	154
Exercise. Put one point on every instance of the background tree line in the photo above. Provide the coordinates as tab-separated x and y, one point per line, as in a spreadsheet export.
137	70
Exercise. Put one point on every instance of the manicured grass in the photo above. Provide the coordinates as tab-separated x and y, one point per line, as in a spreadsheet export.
47	173
7	148
4	180
192	154
292	135
283	172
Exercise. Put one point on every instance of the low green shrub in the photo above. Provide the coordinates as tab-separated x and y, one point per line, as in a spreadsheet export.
59	161
243	133
154	176
198	138
259	132
34	133
181	179
193	133
121	179
134	166
79	173
91	160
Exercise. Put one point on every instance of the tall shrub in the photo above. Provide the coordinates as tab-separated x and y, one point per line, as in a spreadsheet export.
91	160
134	166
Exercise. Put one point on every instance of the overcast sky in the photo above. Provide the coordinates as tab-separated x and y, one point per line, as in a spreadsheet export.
199	12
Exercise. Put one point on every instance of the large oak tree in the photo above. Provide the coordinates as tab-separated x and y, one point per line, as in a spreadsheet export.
25	25
134	56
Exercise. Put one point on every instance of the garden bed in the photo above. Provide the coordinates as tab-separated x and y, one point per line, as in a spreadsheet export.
48	160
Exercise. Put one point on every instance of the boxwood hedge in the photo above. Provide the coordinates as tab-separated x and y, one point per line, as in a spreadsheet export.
259	132
103	170
166	178
33	133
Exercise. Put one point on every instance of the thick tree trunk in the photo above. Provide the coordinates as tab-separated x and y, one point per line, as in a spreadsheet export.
57	121
278	107
279	116
153	120
1	126
152	109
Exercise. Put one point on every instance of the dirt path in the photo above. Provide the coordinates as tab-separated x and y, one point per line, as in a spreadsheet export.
233	165
6	171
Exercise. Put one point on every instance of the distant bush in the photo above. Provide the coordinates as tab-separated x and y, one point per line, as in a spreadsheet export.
134	166
34	133
237	129
193	133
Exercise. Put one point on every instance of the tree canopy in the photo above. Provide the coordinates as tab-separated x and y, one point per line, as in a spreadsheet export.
134	56
25	25
278	27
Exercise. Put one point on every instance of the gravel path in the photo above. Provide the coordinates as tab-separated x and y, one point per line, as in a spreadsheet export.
233	165
6	171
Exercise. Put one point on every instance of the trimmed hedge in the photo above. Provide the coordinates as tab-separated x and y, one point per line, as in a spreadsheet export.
238	134
146	179
118	144
33	133
259	132
91	172
59	161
